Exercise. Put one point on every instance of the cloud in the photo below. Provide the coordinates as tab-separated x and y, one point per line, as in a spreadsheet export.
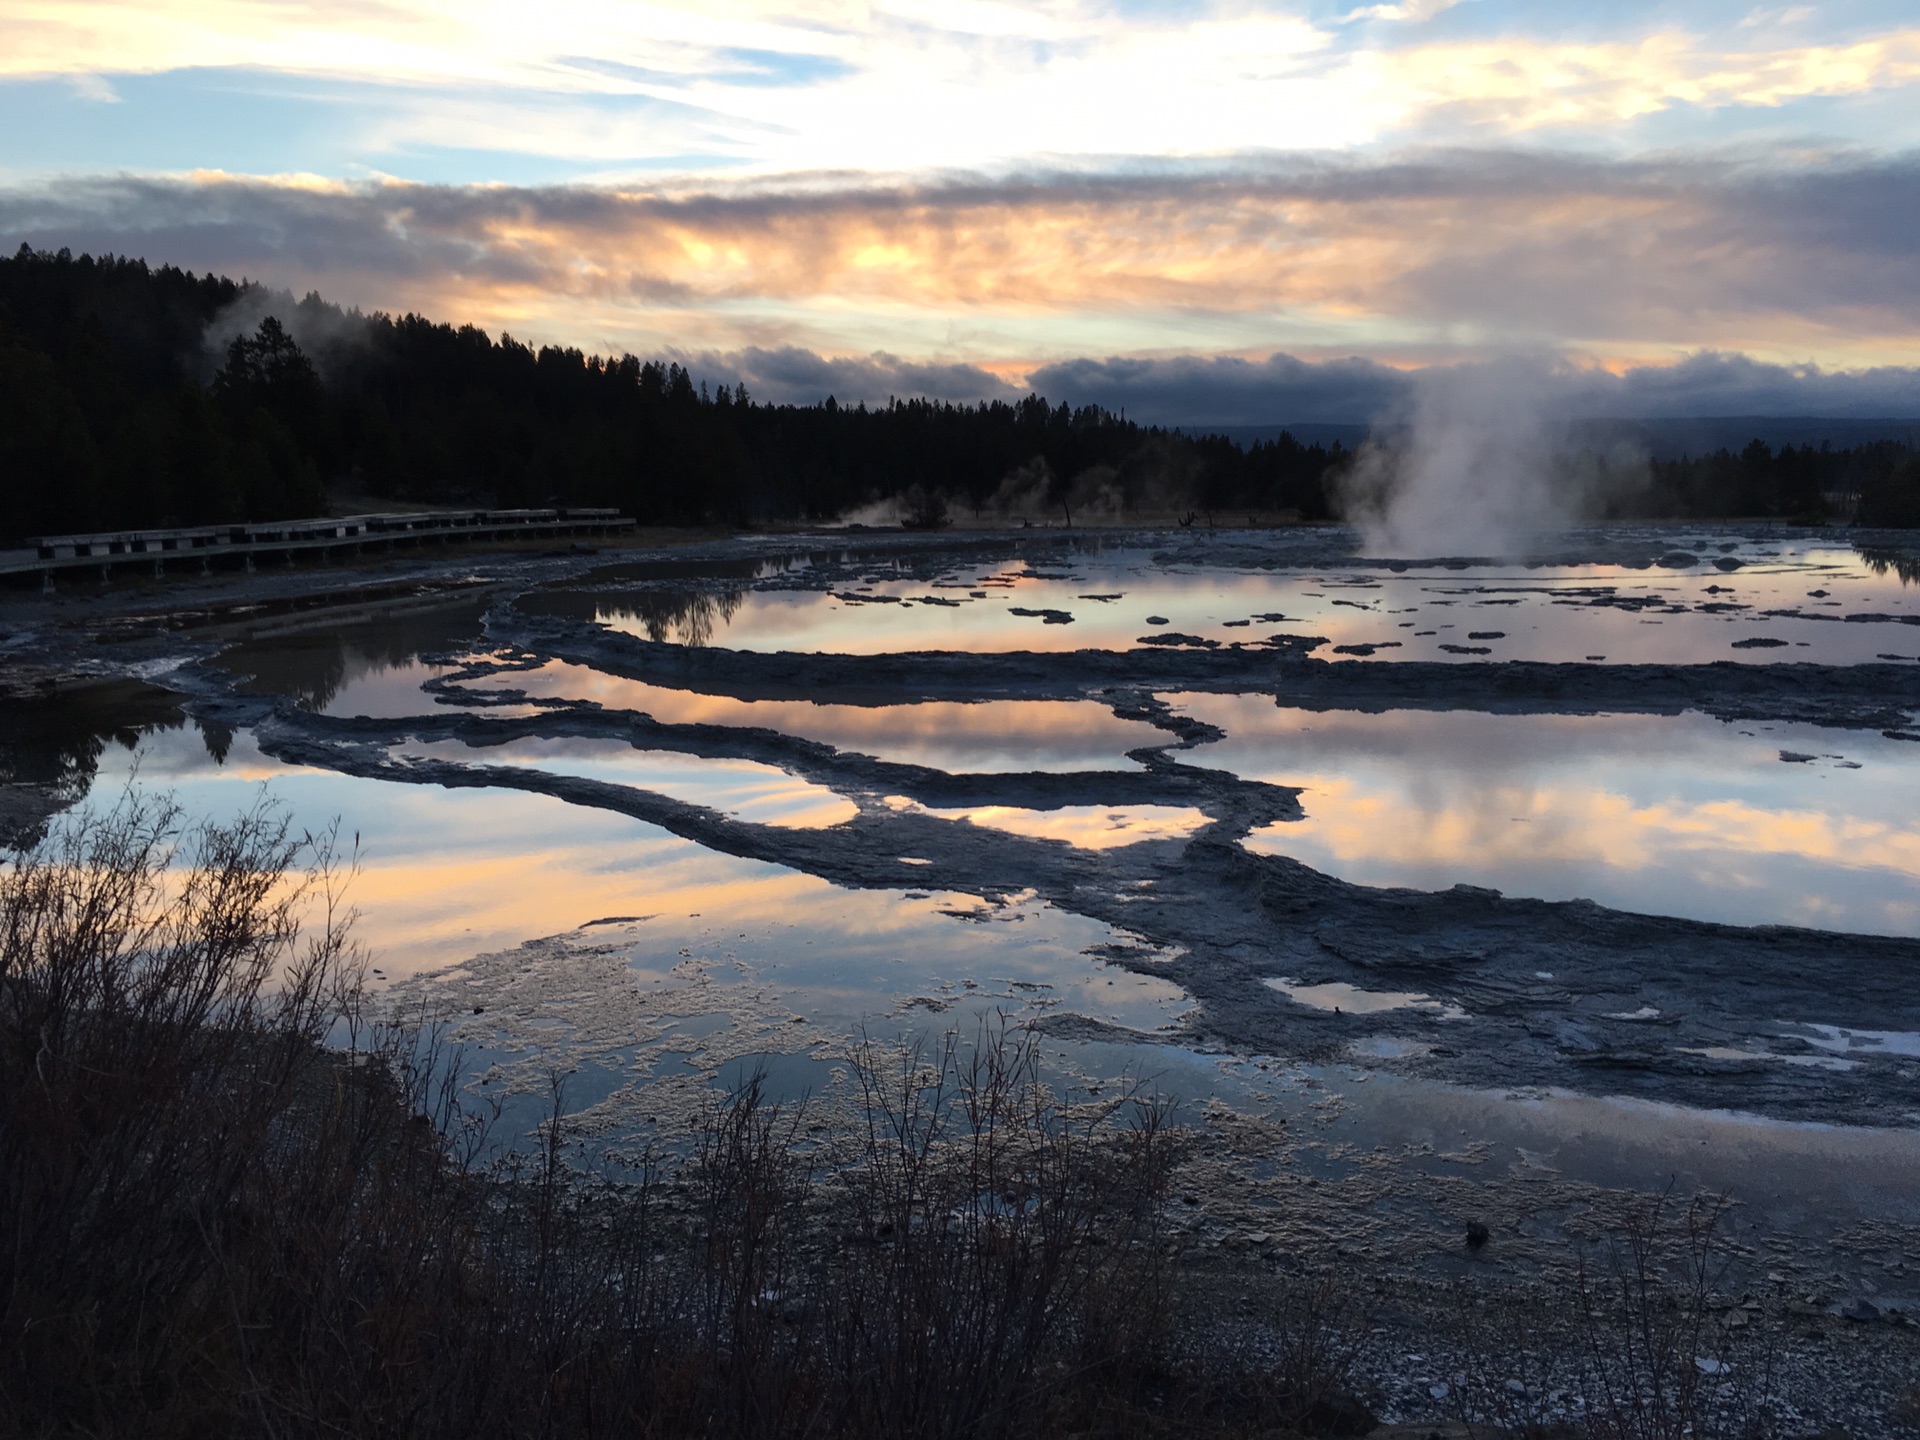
1283	389
1422	256
96	88
1414	11
1721	384
1229	390
791	375
902	84
537	262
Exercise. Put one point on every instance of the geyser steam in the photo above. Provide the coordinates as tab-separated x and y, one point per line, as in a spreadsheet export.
1480	466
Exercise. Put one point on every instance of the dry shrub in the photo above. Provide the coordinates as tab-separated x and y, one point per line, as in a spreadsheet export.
238	1205
999	1241
1284	1363
1655	1347
1642	1350
160	1029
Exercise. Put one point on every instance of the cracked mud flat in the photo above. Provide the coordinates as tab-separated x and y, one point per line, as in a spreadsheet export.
1026	828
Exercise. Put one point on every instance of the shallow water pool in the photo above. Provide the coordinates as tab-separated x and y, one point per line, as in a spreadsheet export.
1733	598
1680	815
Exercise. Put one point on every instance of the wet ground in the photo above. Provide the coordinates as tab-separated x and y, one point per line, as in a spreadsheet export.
1477	889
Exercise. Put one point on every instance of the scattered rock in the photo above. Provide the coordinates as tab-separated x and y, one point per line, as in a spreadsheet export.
1175	637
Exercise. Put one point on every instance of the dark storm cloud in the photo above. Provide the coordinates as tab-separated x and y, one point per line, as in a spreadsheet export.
790	375
1226	390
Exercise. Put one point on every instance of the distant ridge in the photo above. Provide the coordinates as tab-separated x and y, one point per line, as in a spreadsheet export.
1309	433
1666	438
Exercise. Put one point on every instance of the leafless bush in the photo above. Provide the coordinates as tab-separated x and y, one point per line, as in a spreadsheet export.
1643	1352
1655	1352
749	1191
1277	1355
1317	1328
159	1023
992	1233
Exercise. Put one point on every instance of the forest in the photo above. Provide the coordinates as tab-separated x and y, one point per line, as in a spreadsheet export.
117	410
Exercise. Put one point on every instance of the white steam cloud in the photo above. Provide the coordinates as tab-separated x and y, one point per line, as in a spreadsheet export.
1480	464
326	335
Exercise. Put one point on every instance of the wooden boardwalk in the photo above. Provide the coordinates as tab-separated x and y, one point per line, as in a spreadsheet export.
202	547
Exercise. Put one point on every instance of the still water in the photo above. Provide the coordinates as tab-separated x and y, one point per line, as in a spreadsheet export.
445	874
1681	815
1726	598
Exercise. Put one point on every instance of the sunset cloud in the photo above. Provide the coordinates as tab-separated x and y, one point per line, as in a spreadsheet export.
1438	256
989	191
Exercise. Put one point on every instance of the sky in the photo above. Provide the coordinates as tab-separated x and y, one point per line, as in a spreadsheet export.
1221	213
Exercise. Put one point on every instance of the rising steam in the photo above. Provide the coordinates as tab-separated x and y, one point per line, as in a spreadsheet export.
1482	464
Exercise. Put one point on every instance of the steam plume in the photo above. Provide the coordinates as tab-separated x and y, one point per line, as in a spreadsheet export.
1479	464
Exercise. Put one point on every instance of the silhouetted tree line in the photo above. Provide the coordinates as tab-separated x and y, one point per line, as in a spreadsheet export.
114	411
1877	483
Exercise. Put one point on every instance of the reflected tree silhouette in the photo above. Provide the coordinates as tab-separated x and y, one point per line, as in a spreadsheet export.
50	746
685	617
312	669
1884	562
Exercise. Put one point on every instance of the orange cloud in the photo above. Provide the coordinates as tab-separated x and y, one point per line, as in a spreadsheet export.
1627	259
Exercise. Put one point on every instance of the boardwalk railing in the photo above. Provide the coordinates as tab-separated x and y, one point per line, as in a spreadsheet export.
242	545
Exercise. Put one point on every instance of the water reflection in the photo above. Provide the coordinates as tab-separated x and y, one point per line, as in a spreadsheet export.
744	789
1085	827
52	746
447	874
1679	815
1337	995
684	617
1724	599
1883	562
988	736
687	617
370	667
